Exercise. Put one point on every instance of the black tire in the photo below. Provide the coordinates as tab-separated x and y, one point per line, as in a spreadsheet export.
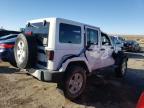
72	71
30	51
121	69
13	63
121	63
12	60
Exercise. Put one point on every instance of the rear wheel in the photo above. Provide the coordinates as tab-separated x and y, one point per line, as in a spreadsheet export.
75	82
25	51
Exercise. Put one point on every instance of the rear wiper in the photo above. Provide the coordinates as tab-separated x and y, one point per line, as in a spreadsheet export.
31	25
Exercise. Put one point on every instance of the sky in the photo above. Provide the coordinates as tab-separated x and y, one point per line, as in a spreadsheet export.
112	16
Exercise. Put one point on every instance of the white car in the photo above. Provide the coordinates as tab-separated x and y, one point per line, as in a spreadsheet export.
54	45
118	41
118	45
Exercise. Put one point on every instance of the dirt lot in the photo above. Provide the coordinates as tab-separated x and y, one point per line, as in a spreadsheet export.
19	90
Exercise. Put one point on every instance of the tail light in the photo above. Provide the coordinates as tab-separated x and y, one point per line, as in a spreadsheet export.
50	55
29	33
6	46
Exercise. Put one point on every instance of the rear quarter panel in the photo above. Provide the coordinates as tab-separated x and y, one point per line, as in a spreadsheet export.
64	49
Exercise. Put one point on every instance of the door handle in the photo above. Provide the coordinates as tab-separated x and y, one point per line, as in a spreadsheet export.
102	49
90	49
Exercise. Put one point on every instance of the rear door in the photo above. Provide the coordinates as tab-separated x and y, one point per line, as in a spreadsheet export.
106	51
93	52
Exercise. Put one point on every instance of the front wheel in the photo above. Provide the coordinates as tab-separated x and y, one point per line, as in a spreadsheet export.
121	69
75	82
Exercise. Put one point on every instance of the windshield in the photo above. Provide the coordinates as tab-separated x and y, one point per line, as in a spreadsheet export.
38	29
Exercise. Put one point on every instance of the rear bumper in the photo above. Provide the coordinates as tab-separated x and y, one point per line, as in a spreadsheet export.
129	48
6	54
46	75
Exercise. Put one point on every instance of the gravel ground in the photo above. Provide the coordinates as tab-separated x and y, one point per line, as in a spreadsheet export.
20	90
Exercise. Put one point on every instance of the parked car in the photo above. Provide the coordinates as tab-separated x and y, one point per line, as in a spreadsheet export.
4	32
7	41
131	45
118	46
56	46
118	41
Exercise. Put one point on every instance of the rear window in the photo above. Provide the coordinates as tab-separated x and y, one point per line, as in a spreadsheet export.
38	28
40	31
69	34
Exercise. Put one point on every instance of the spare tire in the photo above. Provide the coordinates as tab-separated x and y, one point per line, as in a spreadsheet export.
25	51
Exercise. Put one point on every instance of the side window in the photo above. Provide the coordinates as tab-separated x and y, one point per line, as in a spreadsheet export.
92	36
105	40
69	34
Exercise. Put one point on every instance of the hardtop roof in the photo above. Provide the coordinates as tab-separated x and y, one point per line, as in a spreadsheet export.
61	19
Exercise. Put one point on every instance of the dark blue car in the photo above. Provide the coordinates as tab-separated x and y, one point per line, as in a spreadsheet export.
7	41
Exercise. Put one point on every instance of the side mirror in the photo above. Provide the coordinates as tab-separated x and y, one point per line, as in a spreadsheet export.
103	43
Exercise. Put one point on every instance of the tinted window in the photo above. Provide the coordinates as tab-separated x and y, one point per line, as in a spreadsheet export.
92	36
105	39
70	34
40	31
38	28
113	39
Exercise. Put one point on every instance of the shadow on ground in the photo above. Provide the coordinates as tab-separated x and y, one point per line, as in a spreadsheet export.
135	79
105	91
8	70
135	55
108	91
